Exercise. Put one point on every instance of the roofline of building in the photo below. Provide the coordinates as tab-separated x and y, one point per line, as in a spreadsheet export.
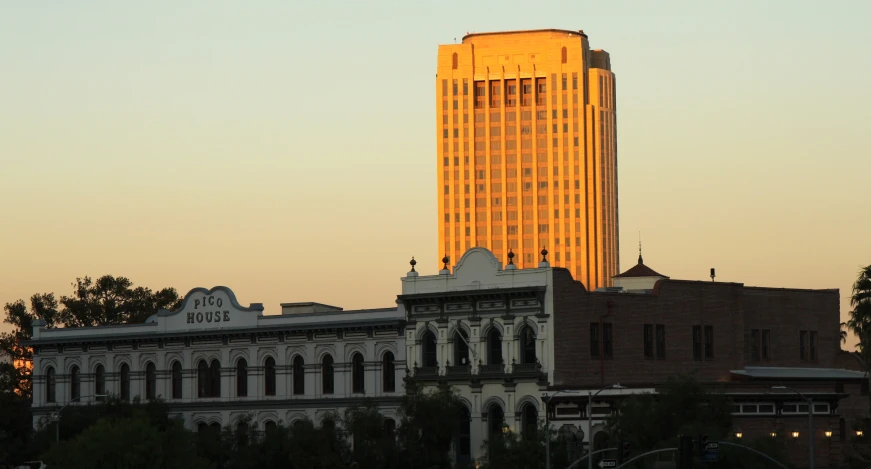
579	33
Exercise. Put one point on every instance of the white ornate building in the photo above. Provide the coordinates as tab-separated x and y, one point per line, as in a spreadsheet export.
214	361
486	331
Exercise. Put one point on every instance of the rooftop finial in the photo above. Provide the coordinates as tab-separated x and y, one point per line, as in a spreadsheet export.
445	260
640	259
510	265
413	263
543	254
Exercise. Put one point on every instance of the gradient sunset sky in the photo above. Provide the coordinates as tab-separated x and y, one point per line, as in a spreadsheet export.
286	149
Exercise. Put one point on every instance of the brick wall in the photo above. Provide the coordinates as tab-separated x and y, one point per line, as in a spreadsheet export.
730	308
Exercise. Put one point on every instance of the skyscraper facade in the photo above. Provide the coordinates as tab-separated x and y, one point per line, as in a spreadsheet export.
527	151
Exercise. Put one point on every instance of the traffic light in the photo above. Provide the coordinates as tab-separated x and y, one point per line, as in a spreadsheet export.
625	449
685	452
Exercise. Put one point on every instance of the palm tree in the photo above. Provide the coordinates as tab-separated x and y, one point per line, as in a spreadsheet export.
860	317
843	333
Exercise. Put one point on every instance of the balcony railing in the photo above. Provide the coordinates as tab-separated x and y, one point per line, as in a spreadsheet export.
459	370
426	371
525	367
492	369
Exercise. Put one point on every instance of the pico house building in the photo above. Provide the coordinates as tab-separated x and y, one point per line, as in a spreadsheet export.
214	361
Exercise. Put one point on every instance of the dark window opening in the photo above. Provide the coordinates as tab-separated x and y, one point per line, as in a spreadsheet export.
50	385
269	376
358	373
461	349
429	349
298	375
125	382
494	347
150	381
176	380
527	337
242	378
389	371
327	374
75	383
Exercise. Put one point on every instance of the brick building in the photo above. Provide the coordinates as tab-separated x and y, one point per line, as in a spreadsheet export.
739	340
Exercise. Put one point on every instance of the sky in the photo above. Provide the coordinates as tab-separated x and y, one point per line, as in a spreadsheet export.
287	149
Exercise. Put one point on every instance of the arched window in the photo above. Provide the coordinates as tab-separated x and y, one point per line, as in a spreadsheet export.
269	375
461	349
495	420
429	349
327	374
527	345
358	373
100	381
202	427
565	55
494	347
463	445
75	383
150	381
389	429
176	380
529	421
216	379
215	427
298	375
455	61
49	385
125	381
241	378
269	426
388	369
204	385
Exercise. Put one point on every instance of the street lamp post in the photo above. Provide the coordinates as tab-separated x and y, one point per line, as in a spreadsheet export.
547	400
57	415
810	420
590	396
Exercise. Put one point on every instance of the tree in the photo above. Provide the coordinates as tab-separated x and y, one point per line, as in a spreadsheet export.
374	444
426	432
527	451
15	429
108	300
129	442
323	447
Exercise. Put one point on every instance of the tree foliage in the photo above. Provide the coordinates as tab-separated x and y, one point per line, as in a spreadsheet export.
428	426
528	451
106	300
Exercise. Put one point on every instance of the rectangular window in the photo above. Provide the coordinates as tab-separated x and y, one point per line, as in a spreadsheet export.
594	339
660	341
709	342
607	340
802	345
648	341
766	340
465	86
697	342
812	343
754	345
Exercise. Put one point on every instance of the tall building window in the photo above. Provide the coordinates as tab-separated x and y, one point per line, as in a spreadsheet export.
754	344
812	344
50	382
660	341
100	380
241	378
709	342
495	420
607	340
430	353
648	341
388	369
455	61
75	383
529	418
766	338
464	436
298	375
209	379
176	380
494	347
594	339
269	376
125	381
565	55
150	381
527	345
358	373
327	372
697	342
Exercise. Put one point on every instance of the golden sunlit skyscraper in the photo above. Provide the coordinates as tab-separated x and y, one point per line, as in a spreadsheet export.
527	151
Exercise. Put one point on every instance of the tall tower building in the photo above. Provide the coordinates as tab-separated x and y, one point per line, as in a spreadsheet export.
527	151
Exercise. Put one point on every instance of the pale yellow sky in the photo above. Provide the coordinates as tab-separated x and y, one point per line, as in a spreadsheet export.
287	151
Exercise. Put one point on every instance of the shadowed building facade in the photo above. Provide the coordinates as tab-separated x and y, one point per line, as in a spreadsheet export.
527	151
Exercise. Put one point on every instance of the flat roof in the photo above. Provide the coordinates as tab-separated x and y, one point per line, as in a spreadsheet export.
579	32
772	372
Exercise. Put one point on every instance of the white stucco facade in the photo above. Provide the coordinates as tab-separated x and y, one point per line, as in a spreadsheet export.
252	362
506	316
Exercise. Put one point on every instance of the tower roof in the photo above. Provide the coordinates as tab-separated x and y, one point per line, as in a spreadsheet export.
640	270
